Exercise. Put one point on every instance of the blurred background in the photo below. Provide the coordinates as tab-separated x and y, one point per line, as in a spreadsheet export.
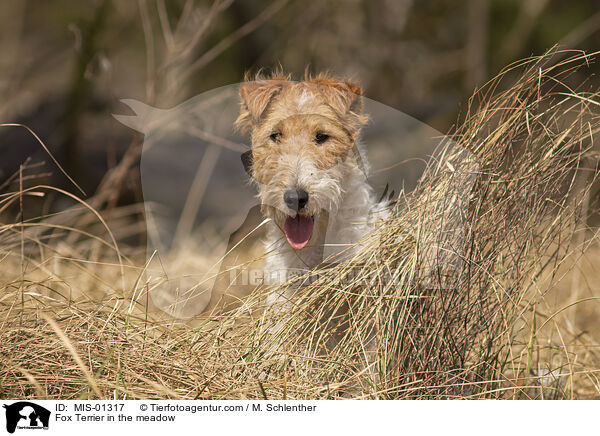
66	65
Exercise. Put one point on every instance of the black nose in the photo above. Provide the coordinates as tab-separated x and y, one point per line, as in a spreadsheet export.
295	199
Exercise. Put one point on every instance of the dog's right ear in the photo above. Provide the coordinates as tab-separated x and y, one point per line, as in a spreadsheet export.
255	97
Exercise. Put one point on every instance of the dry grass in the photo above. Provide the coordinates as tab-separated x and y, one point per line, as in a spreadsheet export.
469	290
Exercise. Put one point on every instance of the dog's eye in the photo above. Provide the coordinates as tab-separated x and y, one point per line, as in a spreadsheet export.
321	137
275	136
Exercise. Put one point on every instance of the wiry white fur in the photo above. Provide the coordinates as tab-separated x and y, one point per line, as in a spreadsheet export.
343	191
305	97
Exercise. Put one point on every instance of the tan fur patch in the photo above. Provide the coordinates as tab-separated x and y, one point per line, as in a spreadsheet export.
296	112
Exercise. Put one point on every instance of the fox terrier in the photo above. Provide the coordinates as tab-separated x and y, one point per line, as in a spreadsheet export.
310	170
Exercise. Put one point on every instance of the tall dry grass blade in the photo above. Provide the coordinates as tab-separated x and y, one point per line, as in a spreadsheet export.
73	351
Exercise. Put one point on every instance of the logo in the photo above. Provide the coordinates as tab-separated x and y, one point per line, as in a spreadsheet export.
26	415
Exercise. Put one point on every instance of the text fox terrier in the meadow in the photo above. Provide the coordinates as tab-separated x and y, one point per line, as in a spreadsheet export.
310	171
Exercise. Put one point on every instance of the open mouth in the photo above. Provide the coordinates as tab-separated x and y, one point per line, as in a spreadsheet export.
298	230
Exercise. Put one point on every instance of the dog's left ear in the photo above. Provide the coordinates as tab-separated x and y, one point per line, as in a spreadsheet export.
351	95
247	161
345	97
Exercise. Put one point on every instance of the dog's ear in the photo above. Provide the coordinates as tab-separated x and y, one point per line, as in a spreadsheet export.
247	161
345	97
349	96
255	97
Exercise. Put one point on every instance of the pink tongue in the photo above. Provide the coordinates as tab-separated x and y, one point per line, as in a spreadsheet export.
298	230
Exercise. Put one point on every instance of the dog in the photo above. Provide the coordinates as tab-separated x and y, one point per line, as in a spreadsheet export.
310	170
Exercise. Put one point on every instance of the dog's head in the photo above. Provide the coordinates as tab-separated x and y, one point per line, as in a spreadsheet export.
304	138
